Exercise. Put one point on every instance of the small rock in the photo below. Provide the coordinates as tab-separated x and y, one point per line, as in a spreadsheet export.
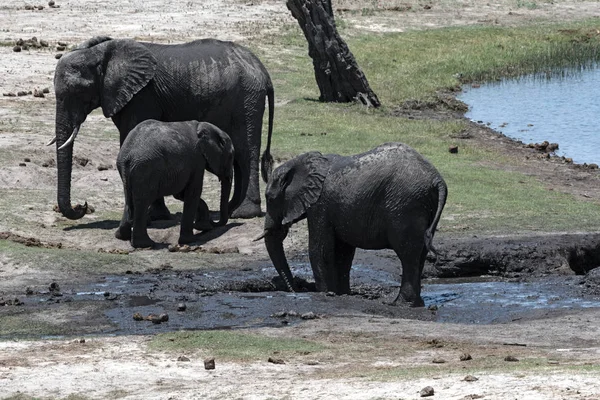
155	319
209	363
25	47
20	42
46	90
29	291
104	167
17	49
172	248
453	149
58	56
465	357
280	314
22	164
29	7
593	166
44	43
309	315
54	287
60	48
82	340
27	159
40	7
181	307
138	317
470	378
292	313
164	317
38	93
64	44
330	294
183	358
51	3
511	359
10	94
427	391
438	361
432	307
275	360
21	93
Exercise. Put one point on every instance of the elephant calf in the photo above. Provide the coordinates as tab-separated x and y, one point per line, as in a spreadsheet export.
387	198
169	158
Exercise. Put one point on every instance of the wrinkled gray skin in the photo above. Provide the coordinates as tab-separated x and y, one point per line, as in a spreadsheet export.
169	158
205	80
387	198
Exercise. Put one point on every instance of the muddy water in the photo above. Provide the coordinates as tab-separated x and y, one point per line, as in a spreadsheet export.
231	299
559	109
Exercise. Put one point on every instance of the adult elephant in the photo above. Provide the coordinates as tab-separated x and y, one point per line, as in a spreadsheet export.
387	198
207	80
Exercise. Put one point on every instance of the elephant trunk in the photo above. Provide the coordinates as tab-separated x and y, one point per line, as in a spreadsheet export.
274	242
224	207
64	163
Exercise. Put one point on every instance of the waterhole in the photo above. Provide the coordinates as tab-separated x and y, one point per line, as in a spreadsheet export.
558	108
255	297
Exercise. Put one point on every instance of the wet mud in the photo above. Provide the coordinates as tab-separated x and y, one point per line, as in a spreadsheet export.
166	299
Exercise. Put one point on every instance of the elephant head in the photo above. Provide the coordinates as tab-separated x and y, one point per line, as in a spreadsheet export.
294	187
217	149
100	72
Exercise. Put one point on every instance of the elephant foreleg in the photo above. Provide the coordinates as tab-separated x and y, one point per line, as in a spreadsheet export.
190	207
202	219
344	254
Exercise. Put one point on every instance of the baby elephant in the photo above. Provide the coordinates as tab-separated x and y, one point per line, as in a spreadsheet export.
387	198
169	158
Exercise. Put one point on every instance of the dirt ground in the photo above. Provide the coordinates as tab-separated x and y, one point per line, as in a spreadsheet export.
558	351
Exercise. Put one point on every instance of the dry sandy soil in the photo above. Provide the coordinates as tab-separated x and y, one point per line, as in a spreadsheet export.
557	348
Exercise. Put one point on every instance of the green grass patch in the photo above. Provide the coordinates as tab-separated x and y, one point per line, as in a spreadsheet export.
233	345
483	196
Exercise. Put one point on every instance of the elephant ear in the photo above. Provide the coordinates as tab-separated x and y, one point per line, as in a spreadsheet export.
96	40
304	184
215	146
129	67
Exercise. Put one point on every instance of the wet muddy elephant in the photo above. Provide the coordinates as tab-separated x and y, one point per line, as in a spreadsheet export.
387	198
206	80
169	158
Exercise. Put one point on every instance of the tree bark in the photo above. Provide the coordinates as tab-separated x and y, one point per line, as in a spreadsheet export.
338	76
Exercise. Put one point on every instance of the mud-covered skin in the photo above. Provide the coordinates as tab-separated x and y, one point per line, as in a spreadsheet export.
205	80
169	158
387	198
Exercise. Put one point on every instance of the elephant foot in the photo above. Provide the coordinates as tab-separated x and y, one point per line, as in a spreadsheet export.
186	239
203	225
412	300
159	213
142	243
247	209
123	233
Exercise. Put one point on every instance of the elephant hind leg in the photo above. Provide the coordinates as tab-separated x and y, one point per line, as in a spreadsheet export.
412	253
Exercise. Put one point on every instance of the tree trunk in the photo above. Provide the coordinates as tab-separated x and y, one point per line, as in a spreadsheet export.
336	71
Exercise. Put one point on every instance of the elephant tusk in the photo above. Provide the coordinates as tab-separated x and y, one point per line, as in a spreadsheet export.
52	141
261	236
70	139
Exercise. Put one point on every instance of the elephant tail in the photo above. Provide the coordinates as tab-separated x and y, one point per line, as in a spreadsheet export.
266	163
442	195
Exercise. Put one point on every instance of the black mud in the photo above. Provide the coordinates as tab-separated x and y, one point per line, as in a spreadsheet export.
473	281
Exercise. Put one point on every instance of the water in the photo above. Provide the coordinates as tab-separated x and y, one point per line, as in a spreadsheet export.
500	302
563	110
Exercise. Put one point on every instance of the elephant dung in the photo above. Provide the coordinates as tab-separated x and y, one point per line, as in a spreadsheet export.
209	363
427	391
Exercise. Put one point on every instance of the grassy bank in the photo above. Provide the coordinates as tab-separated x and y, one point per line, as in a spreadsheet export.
416	66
